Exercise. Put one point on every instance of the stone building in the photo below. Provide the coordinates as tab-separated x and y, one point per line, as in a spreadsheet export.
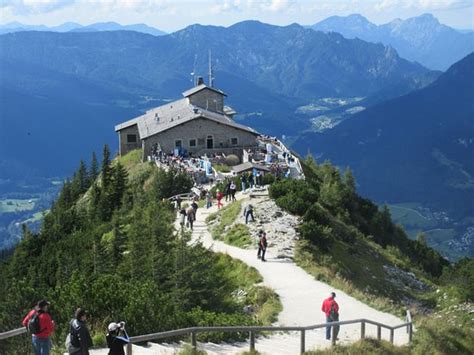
199	124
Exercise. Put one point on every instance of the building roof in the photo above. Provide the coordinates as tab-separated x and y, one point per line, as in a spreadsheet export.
248	166
173	114
200	87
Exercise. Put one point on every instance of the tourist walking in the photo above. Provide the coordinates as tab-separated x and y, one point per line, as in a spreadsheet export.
219	196
248	212
243	181
259	252
208	200
233	190
190	217
227	191
263	246
40	324
79	337
331	310
116	338
182	217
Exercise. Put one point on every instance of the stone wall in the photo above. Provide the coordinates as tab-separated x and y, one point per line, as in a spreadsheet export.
208	99
124	145
199	129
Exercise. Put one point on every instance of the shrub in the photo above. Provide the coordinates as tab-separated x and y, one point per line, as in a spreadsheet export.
232	160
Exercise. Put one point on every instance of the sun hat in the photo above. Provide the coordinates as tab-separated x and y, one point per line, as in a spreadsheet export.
113	327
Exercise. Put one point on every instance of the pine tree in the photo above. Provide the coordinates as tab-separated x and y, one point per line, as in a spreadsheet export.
119	185
80	181
106	169
94	169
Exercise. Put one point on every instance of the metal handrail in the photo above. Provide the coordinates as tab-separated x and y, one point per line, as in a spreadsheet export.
252	330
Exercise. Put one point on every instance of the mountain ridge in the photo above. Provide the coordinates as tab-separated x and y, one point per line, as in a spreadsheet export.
423	38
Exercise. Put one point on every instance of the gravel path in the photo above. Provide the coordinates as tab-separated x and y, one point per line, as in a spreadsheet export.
301	296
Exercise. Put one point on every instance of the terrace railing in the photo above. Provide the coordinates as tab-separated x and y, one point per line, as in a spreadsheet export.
252	331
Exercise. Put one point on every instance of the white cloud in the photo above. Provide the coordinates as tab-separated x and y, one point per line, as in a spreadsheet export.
424	5
25	7
275	6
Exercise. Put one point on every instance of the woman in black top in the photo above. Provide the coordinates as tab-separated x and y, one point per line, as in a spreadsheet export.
117	338
80	336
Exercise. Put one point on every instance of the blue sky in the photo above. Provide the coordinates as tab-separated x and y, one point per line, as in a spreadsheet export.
171	15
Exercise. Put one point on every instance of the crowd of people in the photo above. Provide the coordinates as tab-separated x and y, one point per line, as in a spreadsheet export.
41	326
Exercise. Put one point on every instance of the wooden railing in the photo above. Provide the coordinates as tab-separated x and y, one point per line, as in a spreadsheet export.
252	331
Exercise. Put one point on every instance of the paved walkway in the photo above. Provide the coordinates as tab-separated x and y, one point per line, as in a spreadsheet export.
301	296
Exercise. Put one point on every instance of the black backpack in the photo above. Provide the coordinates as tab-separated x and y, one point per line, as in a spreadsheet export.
75	341
34	324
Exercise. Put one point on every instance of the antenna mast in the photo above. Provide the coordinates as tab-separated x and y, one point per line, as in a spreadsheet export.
211	78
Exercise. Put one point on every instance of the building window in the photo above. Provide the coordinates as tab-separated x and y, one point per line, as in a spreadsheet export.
131	138
178	143
234	141
192	142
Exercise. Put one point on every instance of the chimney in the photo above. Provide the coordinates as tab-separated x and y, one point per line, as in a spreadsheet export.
200	81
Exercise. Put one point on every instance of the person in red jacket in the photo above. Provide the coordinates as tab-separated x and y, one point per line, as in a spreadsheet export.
42	339
331	310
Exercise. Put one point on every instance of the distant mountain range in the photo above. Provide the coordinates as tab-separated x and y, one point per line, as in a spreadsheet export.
68	90
76	27
417	147
423	39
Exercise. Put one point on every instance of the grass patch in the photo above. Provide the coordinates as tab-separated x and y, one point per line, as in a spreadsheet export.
131	158
366	346
222	168
245	276
352	271
189	350
267	302
239	236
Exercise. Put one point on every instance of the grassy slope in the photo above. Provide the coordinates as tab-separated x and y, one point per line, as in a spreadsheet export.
237	234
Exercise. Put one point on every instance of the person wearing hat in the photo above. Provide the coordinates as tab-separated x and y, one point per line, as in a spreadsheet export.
41	338
117	338
79	334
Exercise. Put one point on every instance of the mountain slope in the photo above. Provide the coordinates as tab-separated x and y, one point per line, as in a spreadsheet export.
87	82
417	147
423	39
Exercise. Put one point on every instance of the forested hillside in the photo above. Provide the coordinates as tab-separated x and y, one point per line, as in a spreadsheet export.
108	244
348	242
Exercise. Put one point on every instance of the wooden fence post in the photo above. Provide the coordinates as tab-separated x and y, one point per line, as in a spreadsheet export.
193	340
391	335
333	335
302	345
410	333
129	349
252	340
362	330
379	332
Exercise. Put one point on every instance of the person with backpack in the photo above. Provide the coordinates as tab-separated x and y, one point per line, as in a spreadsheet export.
116	338
79	339
331	310
227	191
40	324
